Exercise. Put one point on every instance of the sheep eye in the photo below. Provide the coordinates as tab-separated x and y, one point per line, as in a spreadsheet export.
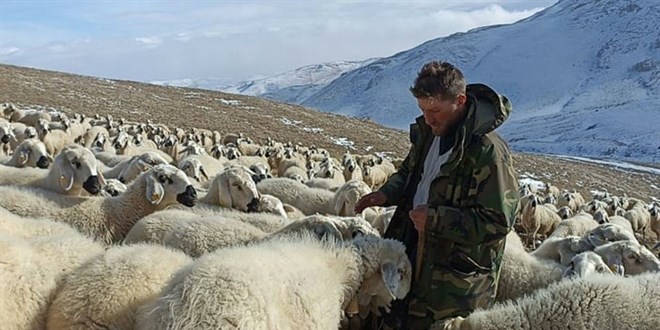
76	164
357	232
162	178
600	269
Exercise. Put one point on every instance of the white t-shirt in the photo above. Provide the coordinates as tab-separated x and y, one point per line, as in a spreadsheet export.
432	164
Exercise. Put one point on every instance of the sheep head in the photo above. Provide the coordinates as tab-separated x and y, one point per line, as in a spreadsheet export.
236	189
167	185
77	166
586	263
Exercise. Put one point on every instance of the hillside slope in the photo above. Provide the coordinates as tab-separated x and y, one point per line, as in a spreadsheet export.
258	118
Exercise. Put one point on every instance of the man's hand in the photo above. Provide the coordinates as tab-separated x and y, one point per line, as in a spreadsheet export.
419	216
376	198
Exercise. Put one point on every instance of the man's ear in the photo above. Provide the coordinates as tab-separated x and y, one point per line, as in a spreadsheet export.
461	99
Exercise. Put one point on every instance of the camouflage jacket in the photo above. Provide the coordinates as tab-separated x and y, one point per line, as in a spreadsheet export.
474	197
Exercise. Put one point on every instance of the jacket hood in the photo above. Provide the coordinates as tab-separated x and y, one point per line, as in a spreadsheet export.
490	112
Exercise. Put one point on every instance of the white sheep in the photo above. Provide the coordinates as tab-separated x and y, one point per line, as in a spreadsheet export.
374	176
578	225
628	257
281	283
538	219
107	291
31	270
24	227
602	217
106	219
73	170
600	301
639	218
233	188
585	264
522	273
113	187
30	153
308	200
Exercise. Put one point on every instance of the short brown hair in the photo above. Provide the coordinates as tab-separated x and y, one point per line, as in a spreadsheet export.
439	78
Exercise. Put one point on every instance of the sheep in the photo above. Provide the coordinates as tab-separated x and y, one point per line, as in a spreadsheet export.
322	183
382	220
348	195
130	169
522	273
193	169
600	301
152	228
233	188
609	232
352	171
31	153
561	249
374	176
572	200
578	225
108	289
628	257
113	187
18	226
281	283
565	212
308	200
106	219
261	172
54	140
538	218
602	217
654	213
271	204
31	270
196	236
639	218
73	169
585	264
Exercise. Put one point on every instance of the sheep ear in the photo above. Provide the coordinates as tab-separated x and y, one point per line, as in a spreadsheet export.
102	179
201	169
340	204
391	278
23	157
66	176
155	190
224	193
616	264
327	231
143	166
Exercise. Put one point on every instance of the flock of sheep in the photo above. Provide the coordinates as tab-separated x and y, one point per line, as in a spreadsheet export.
124	225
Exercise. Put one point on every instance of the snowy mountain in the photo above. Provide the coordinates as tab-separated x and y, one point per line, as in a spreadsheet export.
292	86
583	76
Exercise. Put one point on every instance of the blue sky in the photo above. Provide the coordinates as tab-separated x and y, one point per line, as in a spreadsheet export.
160	40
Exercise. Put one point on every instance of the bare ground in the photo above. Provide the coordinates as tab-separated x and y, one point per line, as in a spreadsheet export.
260	118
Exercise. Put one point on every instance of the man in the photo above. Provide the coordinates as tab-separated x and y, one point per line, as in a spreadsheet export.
456	196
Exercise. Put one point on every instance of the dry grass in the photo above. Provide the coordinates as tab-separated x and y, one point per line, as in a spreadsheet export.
259	118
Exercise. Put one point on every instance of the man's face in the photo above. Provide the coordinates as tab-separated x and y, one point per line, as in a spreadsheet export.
441	114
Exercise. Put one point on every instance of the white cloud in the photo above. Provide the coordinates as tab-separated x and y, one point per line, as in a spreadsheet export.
237	40
8	51
150	42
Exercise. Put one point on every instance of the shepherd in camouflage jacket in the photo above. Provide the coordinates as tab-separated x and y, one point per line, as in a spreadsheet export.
457	246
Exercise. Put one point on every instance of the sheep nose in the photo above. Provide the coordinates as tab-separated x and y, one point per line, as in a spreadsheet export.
112	192
188	197
253	206
43	162
92	185
5	139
